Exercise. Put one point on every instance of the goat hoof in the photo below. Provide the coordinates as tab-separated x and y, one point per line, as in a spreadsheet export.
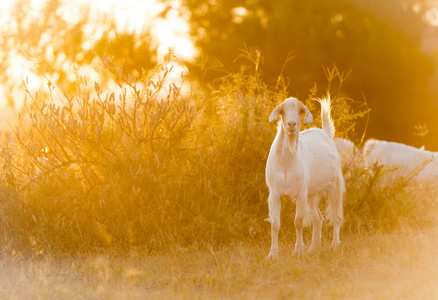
273	254
313	250
298	251
335	245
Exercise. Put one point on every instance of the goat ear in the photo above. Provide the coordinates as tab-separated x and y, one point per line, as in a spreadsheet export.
275	114
309	118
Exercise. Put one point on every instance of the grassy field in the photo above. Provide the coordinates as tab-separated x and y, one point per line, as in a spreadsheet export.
402	264
128	195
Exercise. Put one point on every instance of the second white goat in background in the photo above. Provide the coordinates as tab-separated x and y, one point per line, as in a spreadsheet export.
406	161
348	152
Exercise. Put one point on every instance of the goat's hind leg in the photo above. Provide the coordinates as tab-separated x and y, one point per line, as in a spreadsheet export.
335	212
336	240
274	202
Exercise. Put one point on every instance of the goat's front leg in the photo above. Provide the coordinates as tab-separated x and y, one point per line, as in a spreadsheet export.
274	202
317	220
302	209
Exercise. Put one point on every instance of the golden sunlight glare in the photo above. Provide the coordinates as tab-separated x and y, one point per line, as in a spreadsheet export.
172	32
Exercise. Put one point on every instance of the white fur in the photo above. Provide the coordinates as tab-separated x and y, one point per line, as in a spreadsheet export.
304	166
405	160
348	152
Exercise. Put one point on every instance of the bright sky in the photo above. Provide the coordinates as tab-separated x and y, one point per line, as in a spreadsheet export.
130	15
134	15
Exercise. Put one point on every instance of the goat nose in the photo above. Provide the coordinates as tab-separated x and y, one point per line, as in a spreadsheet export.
291	124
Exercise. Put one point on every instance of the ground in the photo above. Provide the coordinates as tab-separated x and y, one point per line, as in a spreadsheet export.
402	264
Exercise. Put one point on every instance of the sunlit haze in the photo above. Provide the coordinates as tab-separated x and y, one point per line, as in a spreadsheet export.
147	150
130	15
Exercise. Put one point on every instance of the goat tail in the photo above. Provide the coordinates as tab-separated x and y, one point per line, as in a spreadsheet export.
335	212
327	122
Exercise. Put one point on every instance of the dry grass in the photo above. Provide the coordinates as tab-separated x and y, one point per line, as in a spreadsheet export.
399	265
144	165
126	195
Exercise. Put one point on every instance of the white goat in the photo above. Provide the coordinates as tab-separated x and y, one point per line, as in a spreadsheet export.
406	159
304	166
350	155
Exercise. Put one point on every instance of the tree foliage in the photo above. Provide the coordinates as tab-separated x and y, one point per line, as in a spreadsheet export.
383	53
55	40
378	44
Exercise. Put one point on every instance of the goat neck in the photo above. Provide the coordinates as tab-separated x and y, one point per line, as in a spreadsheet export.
287	141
